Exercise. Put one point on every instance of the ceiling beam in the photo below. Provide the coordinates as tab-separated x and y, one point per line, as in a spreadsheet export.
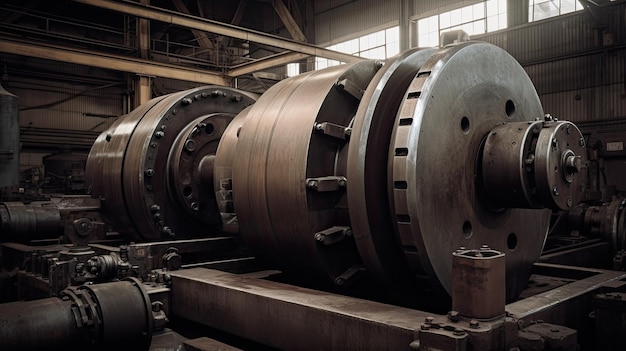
188	21
241	8
279	59
108	61
288	20
201	37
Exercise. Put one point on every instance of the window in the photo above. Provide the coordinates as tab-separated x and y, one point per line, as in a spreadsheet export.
379	45
540	9
487	16
293	69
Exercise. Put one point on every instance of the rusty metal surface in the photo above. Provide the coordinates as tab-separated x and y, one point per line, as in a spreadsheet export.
142	177
570	304
289	174
370	215
478	283
288	317
223	172
456	98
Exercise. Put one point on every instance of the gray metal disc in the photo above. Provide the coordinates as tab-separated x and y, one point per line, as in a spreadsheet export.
456	98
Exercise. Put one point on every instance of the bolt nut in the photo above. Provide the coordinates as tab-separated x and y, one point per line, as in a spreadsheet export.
454	316
458	332
474	324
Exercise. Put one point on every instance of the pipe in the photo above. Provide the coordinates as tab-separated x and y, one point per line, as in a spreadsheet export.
90	316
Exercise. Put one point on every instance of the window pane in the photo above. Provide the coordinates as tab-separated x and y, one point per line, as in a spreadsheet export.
293	69
375	53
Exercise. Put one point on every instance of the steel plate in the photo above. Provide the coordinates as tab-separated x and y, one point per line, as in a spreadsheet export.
457	97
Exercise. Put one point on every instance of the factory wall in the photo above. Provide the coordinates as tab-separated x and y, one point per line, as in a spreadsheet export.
578	68
576	61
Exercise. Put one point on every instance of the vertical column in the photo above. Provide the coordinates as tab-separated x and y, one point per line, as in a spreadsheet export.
143	91
142	84
404	24
517	12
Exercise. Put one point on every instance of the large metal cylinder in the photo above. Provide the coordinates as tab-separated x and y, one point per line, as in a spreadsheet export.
9	139
152	168
24	222
378	168
96	316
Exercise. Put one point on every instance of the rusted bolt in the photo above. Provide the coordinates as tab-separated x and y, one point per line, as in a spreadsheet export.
458	332
454	316
474	324
190	145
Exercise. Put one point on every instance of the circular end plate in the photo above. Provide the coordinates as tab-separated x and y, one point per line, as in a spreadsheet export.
456	98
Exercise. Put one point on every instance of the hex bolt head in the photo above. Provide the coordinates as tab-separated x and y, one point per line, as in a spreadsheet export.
149	172
186	101
458	332
474	324
454	316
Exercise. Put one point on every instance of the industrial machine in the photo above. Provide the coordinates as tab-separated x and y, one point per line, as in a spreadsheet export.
425	202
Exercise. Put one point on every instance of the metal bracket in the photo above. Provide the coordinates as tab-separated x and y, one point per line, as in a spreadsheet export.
332	235
323	184
349	87
333	130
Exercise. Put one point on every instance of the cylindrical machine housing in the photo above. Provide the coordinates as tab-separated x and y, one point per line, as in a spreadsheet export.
23	222
94	317
9	139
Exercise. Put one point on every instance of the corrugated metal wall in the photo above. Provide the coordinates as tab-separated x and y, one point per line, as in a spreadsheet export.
577	74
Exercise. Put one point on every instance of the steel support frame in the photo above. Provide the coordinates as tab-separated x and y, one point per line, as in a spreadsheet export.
289	317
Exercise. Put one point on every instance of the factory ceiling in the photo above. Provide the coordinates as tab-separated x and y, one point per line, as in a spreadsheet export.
207	42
